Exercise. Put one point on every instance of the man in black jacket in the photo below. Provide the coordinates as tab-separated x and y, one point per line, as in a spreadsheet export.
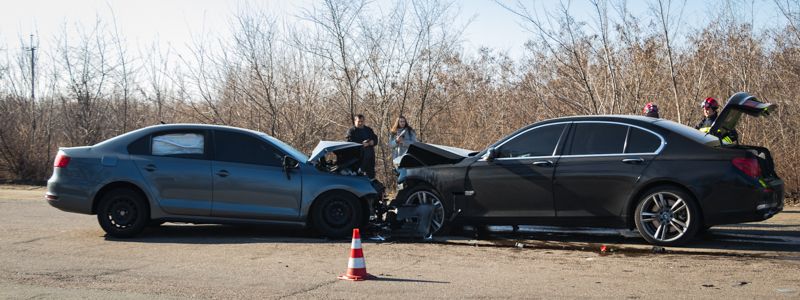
364	135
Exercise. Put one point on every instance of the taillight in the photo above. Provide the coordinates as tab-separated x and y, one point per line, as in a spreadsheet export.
62	160
748	165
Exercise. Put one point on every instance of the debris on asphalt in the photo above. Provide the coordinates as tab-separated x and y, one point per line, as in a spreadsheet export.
741	283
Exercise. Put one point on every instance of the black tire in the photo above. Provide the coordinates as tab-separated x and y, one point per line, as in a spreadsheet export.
335	214
123	213
422	193
667	216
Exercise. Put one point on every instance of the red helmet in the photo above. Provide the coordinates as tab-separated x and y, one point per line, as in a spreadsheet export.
710	103
650	108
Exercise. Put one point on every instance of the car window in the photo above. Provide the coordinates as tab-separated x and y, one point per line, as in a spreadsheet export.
178	144
598	138
141	146
246	149
640	141
539	141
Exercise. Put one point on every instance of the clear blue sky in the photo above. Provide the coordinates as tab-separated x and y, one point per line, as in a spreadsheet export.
142	22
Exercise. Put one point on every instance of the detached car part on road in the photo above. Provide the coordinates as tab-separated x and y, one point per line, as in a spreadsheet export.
213	174
668	180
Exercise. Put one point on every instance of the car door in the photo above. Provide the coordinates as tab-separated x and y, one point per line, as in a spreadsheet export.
517	183
249	179
603	161
175	165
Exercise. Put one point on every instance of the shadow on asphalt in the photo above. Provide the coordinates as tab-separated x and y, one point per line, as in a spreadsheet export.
174	233
716	241
384	278
727	239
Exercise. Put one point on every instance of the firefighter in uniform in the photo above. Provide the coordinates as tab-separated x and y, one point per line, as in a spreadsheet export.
651	110
710	106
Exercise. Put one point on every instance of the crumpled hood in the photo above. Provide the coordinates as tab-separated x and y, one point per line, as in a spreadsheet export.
331	146
421	154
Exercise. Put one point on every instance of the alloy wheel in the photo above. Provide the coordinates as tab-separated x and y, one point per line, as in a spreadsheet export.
665	217
428	197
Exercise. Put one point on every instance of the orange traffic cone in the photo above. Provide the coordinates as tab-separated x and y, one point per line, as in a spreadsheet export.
356	267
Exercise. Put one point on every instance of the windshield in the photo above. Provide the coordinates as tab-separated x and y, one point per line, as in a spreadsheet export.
689	132
299	156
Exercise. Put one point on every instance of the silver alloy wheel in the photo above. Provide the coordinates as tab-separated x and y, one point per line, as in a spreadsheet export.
428	197
665	216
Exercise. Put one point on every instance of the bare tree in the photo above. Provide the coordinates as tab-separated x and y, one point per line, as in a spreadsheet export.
663	12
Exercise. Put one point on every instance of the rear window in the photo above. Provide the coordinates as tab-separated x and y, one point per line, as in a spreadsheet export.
640	141
689	132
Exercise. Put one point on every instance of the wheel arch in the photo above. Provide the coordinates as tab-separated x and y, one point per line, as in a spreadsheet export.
118	185
634	200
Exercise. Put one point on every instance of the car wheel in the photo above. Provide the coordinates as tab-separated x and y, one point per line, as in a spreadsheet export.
667	216
424	194
334	215
123	213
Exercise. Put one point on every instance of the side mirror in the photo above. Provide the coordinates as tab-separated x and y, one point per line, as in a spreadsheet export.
490	155
288	164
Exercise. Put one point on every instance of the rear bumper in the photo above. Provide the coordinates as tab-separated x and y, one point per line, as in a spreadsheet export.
69	197
771	200
764	202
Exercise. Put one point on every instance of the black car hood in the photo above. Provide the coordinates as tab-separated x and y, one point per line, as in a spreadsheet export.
421	154
738	104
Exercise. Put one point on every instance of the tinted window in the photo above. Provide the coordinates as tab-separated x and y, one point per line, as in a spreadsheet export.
598	138
640	141
242	148
178	144
140	146
689	132
540	141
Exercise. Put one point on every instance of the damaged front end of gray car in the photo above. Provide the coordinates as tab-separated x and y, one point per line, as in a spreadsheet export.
387	219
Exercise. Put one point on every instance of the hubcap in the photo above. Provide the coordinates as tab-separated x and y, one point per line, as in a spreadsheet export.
338	213
665	216
427	197
122	213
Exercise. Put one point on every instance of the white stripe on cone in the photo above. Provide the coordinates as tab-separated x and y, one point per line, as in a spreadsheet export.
356	263
356	244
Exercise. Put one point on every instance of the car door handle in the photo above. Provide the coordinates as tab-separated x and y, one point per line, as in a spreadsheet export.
633	161
543	163
223	173
150	168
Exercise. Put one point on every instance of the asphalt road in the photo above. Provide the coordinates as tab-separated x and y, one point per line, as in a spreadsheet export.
50	254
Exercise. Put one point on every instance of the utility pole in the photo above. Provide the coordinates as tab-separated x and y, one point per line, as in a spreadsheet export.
32	49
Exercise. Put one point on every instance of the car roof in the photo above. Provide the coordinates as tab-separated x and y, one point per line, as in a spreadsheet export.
643	119
128	137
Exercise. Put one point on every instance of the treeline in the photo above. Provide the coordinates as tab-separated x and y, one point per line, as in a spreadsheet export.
303	83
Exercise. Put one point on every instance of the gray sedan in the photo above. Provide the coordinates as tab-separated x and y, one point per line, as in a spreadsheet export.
212	174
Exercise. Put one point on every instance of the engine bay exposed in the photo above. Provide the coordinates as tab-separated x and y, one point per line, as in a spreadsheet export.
342	161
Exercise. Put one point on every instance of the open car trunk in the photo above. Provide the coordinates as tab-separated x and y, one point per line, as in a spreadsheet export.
738	104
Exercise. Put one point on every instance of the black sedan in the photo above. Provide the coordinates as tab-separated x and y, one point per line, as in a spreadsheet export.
667	180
